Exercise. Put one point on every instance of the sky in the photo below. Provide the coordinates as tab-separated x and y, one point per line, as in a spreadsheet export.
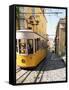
52	20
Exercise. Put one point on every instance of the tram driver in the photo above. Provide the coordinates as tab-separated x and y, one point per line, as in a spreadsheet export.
29	48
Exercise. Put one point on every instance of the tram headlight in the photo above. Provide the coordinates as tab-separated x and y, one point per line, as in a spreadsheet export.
23	61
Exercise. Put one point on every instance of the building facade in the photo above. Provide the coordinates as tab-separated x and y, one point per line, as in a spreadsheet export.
31	18
60	39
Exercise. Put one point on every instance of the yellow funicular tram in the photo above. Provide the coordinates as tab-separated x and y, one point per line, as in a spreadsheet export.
30	48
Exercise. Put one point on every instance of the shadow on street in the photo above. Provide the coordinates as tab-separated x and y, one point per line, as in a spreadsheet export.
51	62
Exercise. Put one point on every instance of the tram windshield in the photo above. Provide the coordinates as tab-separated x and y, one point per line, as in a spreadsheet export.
24	46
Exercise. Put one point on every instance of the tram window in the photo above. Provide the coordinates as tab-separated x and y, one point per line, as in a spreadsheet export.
30	46
22	46
37	44
43	44
16	46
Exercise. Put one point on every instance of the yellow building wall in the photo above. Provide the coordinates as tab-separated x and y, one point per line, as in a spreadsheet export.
42	25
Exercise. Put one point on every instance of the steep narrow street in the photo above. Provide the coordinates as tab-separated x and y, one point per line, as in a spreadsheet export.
51	69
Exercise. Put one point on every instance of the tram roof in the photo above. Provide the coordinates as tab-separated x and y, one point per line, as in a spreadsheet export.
26	34
25	30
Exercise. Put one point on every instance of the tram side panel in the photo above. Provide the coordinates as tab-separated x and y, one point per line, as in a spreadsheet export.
34	58
40	54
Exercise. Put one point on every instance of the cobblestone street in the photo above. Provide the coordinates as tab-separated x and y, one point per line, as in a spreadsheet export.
52	68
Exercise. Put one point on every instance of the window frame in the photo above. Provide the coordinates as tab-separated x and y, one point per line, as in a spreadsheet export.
32	46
